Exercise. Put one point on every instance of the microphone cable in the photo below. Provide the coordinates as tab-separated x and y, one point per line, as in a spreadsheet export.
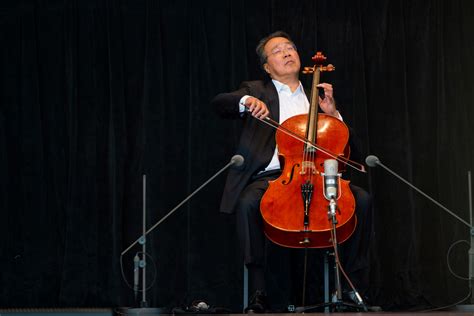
154	272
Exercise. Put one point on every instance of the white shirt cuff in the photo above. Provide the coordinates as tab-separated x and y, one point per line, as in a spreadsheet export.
242	103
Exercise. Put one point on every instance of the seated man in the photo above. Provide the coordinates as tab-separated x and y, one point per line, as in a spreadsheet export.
280	97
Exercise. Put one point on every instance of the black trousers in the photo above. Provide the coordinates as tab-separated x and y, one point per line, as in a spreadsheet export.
354	252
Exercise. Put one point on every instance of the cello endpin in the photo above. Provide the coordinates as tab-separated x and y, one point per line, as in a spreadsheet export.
305	241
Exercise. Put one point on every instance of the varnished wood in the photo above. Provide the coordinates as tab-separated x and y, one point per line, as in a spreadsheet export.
282	211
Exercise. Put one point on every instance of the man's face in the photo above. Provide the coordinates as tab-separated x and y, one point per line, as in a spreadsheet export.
282	58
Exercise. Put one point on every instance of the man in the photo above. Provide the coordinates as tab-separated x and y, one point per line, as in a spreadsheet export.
280	97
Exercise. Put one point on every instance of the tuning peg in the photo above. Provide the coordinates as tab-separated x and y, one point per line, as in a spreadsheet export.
308	70
318	58
329	67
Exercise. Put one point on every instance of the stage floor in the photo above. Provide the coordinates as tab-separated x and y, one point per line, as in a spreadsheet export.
460	310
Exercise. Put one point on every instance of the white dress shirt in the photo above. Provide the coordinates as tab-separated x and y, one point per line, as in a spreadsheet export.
291	104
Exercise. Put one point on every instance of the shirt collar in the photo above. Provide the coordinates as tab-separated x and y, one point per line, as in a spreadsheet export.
283	87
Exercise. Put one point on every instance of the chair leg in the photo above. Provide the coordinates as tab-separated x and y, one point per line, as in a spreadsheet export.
326	280
245	289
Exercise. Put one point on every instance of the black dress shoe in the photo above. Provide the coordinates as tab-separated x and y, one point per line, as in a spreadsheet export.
258	303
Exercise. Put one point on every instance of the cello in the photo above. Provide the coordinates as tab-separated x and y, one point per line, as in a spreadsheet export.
294	208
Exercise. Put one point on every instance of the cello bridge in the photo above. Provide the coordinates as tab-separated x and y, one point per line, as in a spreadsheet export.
308	167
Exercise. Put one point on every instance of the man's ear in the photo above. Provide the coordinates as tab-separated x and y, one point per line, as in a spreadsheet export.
265	67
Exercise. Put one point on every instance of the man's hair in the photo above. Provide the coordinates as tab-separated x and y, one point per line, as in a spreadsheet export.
261	45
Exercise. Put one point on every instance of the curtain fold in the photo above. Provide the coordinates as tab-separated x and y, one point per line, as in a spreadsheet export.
96	93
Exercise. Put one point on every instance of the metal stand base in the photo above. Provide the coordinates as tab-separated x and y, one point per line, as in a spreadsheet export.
332	307
143	311
464	308
328	306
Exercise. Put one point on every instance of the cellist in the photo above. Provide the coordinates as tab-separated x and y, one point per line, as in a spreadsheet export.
280	97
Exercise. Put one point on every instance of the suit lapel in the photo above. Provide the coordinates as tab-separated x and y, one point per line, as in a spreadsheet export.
273	101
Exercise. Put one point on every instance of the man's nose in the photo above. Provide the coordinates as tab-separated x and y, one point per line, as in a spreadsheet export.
286	52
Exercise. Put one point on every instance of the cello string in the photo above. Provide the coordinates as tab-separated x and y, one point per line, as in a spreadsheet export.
354	165
277	126
305	153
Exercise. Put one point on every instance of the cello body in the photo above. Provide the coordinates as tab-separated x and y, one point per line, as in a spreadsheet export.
282	205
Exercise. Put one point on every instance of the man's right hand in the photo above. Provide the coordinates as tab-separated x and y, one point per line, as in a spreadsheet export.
257	107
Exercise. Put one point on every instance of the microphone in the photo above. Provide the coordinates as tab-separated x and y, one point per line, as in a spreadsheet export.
136	269
237	160
373	161
331	178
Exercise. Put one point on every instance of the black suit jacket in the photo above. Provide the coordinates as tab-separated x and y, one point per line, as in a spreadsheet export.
257	141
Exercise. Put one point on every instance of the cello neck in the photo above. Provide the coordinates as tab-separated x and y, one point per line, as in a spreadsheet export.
312	129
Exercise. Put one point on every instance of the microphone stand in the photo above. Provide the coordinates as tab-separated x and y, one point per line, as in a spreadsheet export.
336	304
471	250
373	161
339	304
237	160
142	263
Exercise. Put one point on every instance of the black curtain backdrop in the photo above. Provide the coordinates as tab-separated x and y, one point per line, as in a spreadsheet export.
93	94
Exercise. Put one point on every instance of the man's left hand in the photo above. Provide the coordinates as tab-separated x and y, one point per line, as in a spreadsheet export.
328	105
